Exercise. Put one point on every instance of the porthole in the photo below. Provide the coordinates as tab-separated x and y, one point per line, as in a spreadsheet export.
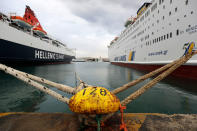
170	13
192	12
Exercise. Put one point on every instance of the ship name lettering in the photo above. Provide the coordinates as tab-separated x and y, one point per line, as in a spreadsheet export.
47	55
158	53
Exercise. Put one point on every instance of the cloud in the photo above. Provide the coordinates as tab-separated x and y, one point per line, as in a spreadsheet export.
108	14
87	25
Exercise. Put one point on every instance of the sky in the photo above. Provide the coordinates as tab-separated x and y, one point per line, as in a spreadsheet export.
85	25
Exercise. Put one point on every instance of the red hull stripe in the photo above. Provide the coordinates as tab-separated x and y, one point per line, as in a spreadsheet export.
185	71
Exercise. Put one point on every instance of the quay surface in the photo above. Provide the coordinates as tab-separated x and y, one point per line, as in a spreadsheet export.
69	122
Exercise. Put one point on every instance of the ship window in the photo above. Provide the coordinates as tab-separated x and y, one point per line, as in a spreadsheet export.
153	41
157	39
161	38
159	1
158	11
186	2
171	35
176	9
167	36
170	13
192	12
170	1
142	18
164	37
29	16
177	32
154	7
157	21
31	21
164	7
163	17
185	15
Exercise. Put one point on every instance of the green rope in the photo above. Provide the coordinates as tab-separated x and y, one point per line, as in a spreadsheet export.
98	119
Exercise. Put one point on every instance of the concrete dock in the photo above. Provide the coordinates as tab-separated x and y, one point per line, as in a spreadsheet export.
69	122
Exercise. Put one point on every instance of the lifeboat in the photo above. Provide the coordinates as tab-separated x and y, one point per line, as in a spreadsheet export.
29	21
39	31
21	22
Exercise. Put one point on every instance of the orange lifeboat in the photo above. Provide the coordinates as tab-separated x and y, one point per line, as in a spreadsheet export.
29	21
39	31
21	22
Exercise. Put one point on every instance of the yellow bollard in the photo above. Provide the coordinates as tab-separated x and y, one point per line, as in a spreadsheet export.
94	100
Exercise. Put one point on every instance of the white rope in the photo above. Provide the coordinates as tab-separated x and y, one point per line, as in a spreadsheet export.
61	87
35	84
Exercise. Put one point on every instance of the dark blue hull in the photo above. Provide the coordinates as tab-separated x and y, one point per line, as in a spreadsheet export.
14	53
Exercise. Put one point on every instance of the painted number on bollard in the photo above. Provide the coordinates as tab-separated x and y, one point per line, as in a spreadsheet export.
102	92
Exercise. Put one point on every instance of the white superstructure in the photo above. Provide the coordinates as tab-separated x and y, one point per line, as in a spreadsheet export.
159	35
19	44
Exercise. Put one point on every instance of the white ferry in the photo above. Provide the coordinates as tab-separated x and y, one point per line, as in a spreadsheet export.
159	34
24	41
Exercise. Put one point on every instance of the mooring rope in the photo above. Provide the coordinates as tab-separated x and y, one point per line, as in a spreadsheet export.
142	78
60	87
143	89
35	84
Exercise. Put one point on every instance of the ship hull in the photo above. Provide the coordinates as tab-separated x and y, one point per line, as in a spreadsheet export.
160	35
184	71
14	53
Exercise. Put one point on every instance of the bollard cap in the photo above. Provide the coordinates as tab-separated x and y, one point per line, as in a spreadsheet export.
94	100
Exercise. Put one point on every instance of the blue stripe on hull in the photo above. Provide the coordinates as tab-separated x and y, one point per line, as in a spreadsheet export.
11	52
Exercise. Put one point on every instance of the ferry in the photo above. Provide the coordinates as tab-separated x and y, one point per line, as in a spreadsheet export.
160	33
24	41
